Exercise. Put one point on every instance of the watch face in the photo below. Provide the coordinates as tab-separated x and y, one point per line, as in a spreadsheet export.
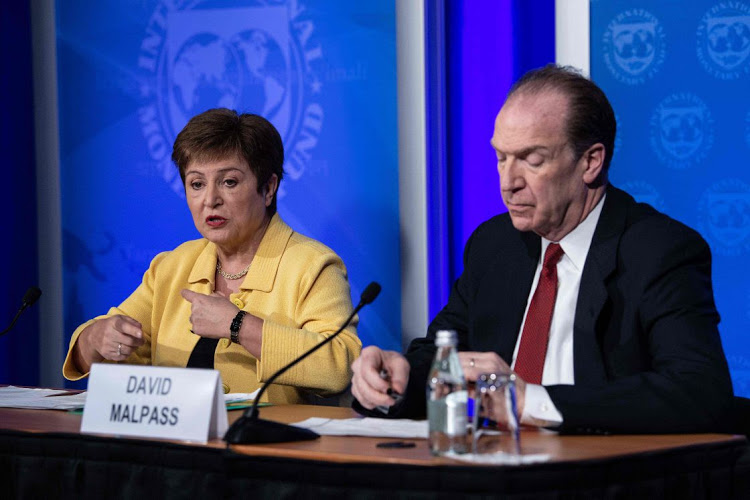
234	329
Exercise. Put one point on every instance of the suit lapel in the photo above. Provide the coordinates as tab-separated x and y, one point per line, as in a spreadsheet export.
601	262
515	273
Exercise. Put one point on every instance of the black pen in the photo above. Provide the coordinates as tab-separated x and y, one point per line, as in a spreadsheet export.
391	393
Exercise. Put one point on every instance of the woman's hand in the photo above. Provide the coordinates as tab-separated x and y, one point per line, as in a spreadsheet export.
210	315
114	338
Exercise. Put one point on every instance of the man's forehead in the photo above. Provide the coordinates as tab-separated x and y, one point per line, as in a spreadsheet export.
529	116
537	104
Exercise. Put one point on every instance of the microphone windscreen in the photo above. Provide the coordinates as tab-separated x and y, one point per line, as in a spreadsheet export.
371	292
31	296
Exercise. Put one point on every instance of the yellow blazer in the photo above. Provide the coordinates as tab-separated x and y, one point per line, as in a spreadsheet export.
297	285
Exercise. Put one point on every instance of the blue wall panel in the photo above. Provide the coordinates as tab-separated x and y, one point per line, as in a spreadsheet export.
490	44
678	76
19	349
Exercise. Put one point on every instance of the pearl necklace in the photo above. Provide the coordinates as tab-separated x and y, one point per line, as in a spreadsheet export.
231	276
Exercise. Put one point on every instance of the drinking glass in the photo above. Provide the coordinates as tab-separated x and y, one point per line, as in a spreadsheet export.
495	396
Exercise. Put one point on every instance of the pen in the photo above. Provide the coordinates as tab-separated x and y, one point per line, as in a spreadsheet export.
393	394
396	444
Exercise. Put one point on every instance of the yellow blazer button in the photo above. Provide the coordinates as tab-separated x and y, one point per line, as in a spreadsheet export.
239	303
226	388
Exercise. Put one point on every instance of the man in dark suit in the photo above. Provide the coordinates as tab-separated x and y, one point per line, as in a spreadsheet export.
603	307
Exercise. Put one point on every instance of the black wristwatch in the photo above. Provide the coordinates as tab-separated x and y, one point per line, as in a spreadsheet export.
234	329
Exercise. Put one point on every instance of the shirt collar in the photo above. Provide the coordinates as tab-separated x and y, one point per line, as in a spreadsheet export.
264	266
576	243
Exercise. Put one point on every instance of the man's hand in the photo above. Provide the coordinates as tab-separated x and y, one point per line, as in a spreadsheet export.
368	386
494	405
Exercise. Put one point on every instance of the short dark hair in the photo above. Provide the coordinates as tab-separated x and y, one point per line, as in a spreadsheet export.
221	133
590	116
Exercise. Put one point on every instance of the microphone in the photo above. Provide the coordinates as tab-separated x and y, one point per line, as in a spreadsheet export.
250	429
31	296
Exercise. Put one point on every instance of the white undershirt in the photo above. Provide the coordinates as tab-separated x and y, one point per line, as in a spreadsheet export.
558	365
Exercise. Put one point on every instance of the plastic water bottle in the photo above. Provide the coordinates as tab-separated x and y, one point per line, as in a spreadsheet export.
447	398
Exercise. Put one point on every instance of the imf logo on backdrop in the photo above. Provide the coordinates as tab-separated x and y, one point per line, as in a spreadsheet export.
634	46
724	217
260	59
644	192
681	130
724	40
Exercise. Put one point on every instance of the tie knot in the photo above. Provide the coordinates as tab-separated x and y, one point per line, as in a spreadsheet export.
552	255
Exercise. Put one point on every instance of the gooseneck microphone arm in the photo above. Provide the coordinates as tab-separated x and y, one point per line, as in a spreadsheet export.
31	296
253	410
249	428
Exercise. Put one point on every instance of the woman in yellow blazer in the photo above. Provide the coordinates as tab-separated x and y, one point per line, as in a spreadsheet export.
248	297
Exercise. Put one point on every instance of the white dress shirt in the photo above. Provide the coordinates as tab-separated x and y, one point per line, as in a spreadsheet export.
558	365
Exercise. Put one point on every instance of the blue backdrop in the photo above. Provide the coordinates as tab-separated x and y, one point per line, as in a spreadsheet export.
19	350
678	76
132	74
489	45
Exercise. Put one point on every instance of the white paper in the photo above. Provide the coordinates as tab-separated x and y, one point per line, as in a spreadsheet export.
40	399
37	399
370	427
499	458
237	397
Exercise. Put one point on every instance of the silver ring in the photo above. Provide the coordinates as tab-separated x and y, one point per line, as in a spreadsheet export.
119	349
471	362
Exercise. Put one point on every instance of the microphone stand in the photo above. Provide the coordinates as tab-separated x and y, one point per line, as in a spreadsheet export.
251	429
31	296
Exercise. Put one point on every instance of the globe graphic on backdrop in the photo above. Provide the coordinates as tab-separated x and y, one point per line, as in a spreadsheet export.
634	49
729	43
264	86
206	73
247	73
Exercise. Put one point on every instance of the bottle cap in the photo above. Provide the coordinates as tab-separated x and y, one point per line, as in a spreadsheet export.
445	338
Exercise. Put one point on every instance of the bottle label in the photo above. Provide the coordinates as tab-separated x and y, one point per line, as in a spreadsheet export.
456	414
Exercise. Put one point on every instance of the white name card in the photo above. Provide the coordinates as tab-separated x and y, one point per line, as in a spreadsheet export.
154	401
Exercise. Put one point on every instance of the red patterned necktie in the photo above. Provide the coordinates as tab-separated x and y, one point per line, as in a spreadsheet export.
535	336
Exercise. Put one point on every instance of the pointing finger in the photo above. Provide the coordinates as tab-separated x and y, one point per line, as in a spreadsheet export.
189	295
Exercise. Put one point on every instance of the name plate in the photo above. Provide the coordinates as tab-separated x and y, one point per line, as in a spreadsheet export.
154	401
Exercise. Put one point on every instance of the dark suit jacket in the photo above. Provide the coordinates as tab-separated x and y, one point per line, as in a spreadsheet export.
646	347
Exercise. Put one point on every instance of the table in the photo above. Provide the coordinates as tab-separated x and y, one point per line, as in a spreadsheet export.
42	454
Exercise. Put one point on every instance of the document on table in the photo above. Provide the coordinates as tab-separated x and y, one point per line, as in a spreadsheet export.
237	397
370	427
40	399
500	458
60	399
403	428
